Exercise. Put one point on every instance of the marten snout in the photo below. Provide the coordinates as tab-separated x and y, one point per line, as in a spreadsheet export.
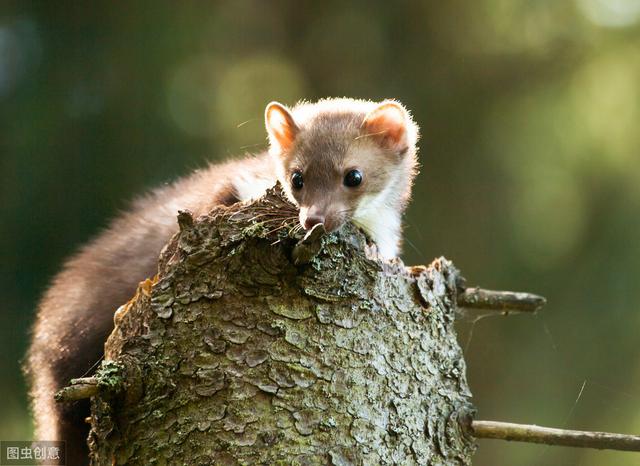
311	216
310	222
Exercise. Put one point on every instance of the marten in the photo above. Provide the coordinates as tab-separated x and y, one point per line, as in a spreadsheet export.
338	160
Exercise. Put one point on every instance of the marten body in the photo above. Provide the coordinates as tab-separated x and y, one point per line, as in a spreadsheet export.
338	160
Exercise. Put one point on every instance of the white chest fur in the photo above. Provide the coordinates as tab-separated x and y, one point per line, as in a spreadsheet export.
380	218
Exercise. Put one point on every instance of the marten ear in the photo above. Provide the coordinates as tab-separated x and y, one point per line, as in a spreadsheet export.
281	127
387	125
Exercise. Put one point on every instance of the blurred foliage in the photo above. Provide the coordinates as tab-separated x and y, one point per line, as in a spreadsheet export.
531	173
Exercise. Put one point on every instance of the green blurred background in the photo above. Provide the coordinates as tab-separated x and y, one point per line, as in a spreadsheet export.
530	115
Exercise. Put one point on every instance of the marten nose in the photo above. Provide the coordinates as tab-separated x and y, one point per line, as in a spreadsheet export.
312	220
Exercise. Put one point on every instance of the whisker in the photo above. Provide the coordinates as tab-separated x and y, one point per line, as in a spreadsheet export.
275	217
276	229
248	146
245	122
370	134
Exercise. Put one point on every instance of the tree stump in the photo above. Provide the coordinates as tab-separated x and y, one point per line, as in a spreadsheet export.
251	347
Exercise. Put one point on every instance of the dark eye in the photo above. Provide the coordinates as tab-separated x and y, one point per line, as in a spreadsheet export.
353	178
296	180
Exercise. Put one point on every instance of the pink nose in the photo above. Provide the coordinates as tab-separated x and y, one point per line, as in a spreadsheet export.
312	220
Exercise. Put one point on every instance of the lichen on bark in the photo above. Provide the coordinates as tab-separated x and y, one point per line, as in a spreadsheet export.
234	355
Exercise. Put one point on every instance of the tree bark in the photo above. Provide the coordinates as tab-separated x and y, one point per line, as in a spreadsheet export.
248	349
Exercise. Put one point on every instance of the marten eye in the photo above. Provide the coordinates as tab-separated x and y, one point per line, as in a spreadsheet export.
296	180
353	178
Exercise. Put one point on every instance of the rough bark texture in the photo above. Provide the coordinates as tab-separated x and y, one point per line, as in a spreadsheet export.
234	355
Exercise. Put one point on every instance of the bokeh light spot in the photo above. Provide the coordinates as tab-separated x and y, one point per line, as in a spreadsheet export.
611	13
247	87
191	95
20	49
605	97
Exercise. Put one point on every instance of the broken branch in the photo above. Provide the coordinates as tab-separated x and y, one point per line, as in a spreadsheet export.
551	436
79	389
500	301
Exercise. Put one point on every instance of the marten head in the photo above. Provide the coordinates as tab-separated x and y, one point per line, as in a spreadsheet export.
344	159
